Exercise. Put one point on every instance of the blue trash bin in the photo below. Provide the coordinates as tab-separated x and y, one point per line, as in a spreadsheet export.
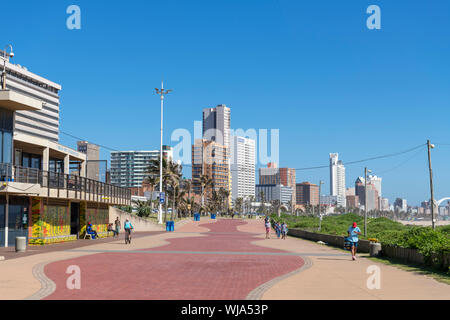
172	225
213	216
167	225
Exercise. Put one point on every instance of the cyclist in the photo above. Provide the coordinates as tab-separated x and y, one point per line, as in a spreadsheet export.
128	227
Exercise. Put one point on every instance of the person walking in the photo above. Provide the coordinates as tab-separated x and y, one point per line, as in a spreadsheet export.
278	229
128	227
284	230
267	225
118	225
353	233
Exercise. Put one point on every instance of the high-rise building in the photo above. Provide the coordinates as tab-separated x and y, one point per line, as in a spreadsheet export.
243	160
350	192
337	179
307	194
42	123
352	201
216	128
376	181
384	204
284	176
373	198
401	205
130	168
273	192
216	124
210	159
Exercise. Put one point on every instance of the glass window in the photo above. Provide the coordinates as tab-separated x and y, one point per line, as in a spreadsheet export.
36	162
25	160
7	147
2	216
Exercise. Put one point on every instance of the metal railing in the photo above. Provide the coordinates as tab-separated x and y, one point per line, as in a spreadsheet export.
84	188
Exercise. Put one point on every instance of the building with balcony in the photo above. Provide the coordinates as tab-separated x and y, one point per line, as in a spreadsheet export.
130	168
44	194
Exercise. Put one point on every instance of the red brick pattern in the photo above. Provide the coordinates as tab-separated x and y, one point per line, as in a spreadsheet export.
167	276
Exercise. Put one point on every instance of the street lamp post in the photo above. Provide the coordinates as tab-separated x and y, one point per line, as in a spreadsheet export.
365	200
5	57
320	211
433	219
162	93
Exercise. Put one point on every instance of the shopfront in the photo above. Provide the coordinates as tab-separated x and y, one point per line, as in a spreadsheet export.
14	220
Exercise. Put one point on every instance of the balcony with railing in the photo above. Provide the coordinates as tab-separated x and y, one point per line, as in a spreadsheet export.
21	180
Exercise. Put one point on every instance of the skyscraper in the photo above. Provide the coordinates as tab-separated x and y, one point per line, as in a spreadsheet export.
243	159
216	129
337	179
216	124
283	176
307	194
210	159
129	168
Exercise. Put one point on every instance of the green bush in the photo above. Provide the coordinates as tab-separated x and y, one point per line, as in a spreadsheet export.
433	244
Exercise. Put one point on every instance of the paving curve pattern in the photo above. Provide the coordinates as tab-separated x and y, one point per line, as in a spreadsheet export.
221	263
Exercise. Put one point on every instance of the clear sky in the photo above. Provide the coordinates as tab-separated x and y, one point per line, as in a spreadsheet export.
309	68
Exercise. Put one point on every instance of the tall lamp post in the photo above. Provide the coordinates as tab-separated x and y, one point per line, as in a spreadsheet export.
162	92
5	57
365	200
433	219
320	211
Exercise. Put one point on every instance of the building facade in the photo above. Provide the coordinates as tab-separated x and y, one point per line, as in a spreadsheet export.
352	201
216	124
130	168
210	159
243	158
283	176
337	179
272	192
44	121
307	194
44	195
95	169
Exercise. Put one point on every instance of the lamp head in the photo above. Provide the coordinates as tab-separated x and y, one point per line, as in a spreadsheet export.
11	55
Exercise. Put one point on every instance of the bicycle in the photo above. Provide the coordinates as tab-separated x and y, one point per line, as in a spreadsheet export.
127	236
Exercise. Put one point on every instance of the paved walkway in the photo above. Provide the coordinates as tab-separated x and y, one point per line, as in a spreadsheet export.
223	259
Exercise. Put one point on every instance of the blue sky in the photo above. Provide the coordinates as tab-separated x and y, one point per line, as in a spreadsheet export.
309	68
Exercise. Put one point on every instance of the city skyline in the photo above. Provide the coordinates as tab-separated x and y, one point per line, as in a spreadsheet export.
353	94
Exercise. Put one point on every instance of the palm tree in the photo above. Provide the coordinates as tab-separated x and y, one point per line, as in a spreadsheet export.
238	204
276	205
171	176
204	182
143	208
224	197
262	208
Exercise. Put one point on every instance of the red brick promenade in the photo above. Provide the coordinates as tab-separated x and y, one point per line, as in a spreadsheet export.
219	264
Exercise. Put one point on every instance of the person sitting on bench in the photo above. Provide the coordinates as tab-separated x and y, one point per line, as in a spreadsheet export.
89	230
110	229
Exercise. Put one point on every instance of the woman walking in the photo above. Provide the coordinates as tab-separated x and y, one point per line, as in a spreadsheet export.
267	225
284	230
278	229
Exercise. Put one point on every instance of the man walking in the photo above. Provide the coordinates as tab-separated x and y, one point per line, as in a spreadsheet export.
117	223
353	233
